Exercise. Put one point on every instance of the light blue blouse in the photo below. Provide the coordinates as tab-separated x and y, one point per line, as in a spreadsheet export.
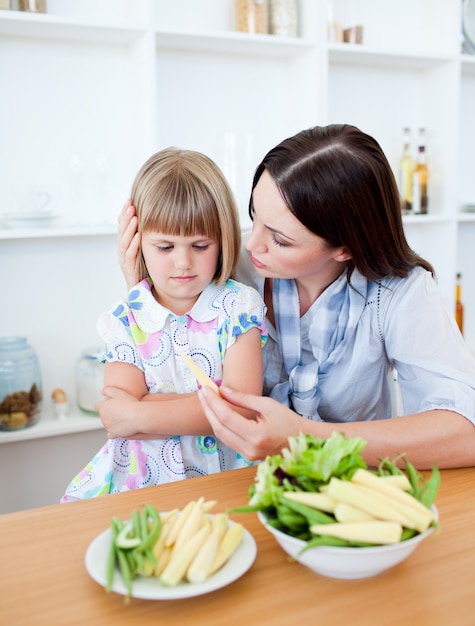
406	324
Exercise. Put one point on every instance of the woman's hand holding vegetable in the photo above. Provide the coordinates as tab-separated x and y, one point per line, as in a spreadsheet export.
253	438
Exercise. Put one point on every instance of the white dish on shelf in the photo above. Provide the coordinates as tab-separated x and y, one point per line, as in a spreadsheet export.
27	220
151	589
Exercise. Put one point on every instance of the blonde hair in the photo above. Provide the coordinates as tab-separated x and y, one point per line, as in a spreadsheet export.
183	192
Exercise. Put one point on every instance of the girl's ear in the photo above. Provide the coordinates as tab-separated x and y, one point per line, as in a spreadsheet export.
342	254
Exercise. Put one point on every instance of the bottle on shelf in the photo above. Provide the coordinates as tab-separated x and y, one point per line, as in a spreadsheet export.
420	177
458	303
406	170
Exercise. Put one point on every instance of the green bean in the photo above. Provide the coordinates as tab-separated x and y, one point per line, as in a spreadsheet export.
313	516
151	556
431	487
126	537
111	557
134	560
387	466
324	540
125	571
247	508
149	538
414	478
290	519
136	524
118	524
407	533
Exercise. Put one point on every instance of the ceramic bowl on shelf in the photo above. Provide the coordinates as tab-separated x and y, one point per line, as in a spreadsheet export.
347	563
40	219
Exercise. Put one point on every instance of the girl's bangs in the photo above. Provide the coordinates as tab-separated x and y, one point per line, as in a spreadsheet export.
186	214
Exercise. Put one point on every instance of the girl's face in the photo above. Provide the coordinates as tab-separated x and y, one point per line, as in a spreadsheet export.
282	247
180	267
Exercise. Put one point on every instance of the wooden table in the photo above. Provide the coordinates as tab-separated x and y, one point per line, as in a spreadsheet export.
43	579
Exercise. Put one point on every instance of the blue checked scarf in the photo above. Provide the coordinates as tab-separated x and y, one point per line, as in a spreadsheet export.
335	317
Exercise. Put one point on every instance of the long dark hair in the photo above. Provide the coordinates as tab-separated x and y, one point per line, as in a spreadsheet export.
338	183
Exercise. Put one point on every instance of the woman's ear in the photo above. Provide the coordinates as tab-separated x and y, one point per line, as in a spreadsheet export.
342	254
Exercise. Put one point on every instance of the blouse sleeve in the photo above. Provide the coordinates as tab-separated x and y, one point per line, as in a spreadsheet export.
114	329
248	312
435	368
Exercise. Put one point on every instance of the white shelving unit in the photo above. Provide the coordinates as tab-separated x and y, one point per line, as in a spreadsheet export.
93	87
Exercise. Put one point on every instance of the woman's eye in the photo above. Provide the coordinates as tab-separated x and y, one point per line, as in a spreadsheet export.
277	242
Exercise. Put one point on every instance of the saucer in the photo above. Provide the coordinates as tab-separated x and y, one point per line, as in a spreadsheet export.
27	220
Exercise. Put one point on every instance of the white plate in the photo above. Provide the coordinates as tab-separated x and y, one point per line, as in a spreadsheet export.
151	589
27	220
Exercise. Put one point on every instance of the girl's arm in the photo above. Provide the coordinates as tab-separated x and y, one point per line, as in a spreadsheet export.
129	411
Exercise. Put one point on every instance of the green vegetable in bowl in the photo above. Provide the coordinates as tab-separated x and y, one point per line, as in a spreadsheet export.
325	483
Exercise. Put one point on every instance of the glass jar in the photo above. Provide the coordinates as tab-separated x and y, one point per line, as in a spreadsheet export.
89	380
21	391
252	16
284	18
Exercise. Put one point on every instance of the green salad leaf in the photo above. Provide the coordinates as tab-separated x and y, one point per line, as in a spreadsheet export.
308	463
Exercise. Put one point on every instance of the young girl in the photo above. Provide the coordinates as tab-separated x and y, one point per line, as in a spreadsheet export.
185	303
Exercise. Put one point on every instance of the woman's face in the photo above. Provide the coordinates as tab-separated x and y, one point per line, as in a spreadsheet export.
282	247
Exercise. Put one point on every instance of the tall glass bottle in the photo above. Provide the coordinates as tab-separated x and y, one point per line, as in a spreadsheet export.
458	303
420	177
406	169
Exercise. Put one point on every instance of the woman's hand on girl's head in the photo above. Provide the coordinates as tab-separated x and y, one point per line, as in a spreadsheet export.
254	438
128	242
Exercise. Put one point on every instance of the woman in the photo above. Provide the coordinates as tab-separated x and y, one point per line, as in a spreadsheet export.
348	300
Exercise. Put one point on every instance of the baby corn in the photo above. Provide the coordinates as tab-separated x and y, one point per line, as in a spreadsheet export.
374	532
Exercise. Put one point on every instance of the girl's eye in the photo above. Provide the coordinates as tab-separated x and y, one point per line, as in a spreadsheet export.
164	248
200	247
277	242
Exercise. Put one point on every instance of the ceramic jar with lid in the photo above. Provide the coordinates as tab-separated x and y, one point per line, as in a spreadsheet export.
20	384
89	380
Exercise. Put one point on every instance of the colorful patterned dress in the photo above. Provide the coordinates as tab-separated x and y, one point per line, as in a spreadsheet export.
143	333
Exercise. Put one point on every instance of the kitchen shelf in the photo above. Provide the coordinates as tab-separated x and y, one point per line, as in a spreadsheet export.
55	28
51	426
232	43
59	232
360	55
426	219
466	217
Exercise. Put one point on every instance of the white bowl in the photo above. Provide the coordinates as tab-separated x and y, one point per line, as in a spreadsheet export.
337	562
